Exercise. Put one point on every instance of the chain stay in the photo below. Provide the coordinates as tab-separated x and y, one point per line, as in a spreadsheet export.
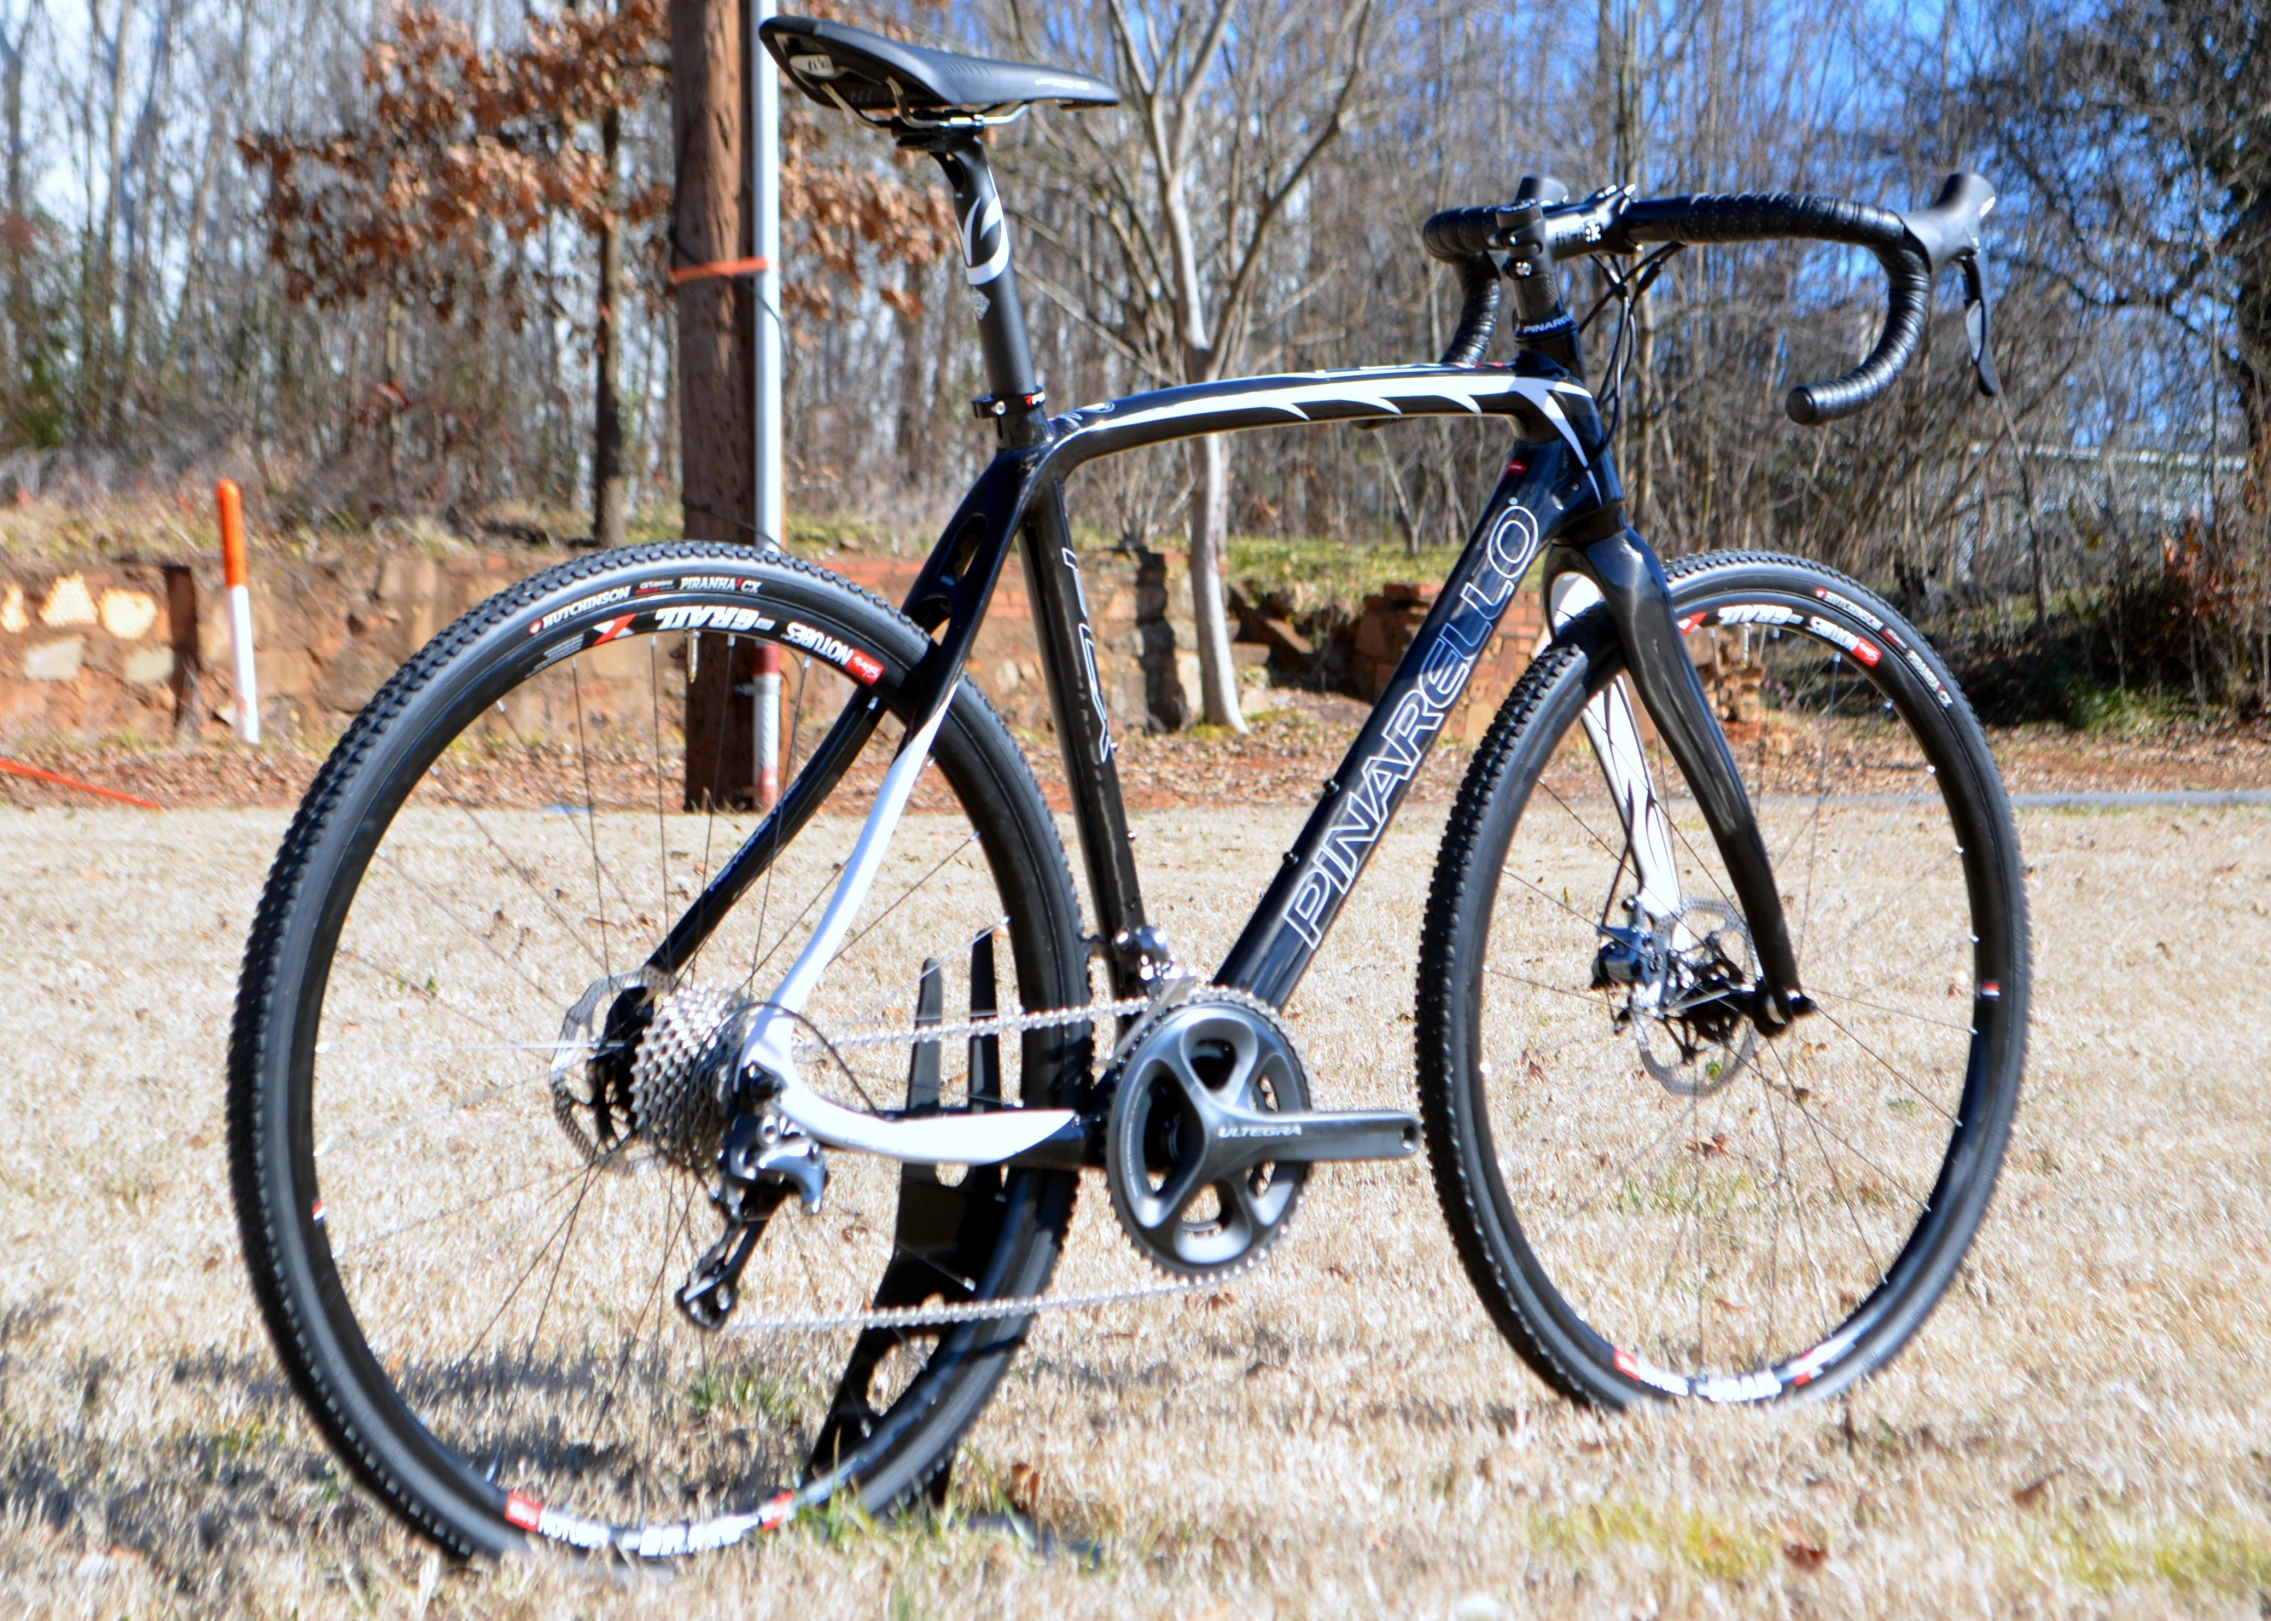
942	1314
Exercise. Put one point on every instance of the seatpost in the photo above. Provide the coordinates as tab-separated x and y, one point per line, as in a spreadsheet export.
1015	402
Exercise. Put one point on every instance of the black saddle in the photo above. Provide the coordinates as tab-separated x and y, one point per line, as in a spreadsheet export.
850	67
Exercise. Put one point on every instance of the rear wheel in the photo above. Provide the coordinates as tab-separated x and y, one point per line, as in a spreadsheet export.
467	1257
1653	1203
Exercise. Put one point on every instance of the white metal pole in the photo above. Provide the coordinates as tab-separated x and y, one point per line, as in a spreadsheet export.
237	579
772	506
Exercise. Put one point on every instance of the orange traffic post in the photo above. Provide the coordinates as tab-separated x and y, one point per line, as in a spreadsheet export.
233	573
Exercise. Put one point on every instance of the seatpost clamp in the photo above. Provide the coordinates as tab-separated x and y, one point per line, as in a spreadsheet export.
993	407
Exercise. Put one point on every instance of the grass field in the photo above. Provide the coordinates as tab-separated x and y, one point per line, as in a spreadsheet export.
2081	1429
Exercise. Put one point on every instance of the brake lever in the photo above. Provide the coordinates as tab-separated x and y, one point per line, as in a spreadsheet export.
1975	327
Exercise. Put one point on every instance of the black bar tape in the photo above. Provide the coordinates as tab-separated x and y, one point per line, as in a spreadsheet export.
1478	316
1782	216
1461	233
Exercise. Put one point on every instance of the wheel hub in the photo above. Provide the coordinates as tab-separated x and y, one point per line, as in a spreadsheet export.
640	1058
1694	981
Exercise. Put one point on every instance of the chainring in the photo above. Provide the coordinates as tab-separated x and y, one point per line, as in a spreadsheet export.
1190	1102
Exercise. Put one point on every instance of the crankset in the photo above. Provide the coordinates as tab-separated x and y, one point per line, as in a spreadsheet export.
1209	1135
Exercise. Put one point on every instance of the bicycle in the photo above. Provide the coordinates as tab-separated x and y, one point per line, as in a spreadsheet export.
516	1132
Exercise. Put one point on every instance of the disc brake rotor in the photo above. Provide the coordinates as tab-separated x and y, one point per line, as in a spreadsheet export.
1706	950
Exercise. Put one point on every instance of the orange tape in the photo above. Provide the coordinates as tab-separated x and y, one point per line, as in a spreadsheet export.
232	531
723	267
19	769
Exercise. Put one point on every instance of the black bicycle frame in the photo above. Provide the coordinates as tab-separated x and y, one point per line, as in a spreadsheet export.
1559	490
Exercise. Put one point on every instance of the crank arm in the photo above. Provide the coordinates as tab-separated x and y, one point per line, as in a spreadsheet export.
1296	1137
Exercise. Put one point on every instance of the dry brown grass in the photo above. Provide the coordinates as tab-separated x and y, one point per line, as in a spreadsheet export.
2081	1429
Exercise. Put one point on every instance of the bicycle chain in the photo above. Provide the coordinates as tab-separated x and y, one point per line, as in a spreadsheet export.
1007	1024
946	1315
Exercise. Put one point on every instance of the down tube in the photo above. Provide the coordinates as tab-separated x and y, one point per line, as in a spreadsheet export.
1543	489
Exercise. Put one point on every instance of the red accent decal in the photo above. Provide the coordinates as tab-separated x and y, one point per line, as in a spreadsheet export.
1517	467
1867	651
315	1211
1690	622
1803	1377
776	1513
1989	987
619	627
1625	1363
867	667
525	1512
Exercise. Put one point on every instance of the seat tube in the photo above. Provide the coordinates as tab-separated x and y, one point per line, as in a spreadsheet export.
1084	737
1061	624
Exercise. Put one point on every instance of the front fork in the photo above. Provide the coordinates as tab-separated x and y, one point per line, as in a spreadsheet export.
1625	576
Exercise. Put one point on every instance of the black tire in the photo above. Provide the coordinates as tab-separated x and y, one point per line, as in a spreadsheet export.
623	1429
1646	1219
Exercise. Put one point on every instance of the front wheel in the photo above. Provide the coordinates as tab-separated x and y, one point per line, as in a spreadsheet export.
1655	1202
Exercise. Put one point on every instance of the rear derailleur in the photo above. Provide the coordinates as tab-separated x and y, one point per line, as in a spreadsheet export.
765	1159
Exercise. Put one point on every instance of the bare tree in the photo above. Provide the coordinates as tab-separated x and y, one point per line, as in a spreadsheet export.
1195	188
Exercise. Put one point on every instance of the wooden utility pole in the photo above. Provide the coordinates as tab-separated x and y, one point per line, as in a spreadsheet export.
709	56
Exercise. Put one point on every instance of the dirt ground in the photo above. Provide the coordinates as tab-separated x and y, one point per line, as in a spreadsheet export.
2080	1430
1280	762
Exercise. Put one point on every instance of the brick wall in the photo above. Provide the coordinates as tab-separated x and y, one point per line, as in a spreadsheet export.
125	645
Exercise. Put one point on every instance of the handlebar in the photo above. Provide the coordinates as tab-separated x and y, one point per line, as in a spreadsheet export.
1912	248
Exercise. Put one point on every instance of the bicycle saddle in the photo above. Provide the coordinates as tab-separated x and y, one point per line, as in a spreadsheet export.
868	74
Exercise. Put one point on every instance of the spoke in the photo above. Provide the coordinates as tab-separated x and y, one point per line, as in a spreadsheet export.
1571	811
1903	890
552	1284
1825	1291
591	818
378	1238
1920	960
827	883
456	1105
717	768
565	1223
675	1231
772	858
968	840
1589	998
1836	1183
1898	1013
1817	1124
661	817
1894	812
518	871
1592	925
1812	831
430	998
482	940
1890	1067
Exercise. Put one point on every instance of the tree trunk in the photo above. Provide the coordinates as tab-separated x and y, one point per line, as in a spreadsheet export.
607	504
716	364
1210	476
1210	544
